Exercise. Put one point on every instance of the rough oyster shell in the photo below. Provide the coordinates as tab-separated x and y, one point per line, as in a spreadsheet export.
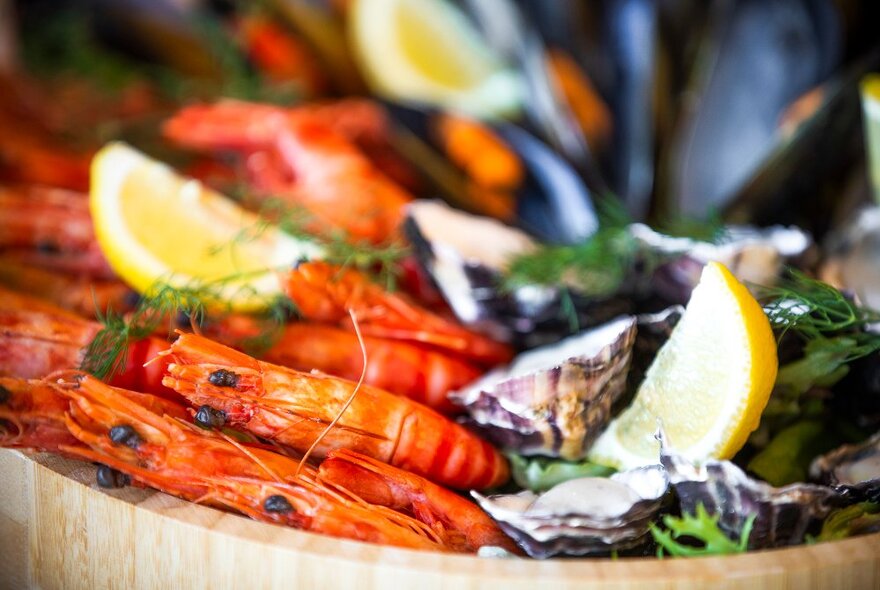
783	515
582	516
852	470
852	257
752	254
554	400
466	255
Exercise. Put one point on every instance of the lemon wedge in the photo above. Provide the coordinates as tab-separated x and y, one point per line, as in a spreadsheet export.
707	386
156	226
428	51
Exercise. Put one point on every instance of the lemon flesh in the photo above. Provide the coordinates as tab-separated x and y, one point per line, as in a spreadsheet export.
427	51
156	226
707	386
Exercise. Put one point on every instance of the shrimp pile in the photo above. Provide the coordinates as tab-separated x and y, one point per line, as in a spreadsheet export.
334	430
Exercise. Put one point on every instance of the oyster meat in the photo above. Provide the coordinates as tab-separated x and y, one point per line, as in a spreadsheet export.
782	515
852	470
589	515
554	400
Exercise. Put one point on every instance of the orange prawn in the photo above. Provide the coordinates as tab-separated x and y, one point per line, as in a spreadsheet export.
323	292
38	338
453	517
80	294
207	467
402	368
51	228
298	157
294	409
32	416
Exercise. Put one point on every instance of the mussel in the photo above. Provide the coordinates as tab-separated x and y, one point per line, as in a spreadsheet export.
586	516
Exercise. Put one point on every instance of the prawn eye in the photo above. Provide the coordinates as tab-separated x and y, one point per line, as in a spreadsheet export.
278	504
107	477
223	378
5	394
208	417
125	435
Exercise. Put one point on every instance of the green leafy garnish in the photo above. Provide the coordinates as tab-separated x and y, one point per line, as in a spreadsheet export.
595	267
852	520
700	528
711	229
161	307
600	265
813	309
107	353
786	459
541	473
337	247
64	42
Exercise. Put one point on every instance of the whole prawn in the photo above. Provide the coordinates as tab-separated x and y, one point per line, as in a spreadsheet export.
297	156
205	466
324	292
294	409
50	228
38	338
403	368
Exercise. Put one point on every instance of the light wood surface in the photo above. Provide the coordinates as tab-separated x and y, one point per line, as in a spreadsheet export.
58	530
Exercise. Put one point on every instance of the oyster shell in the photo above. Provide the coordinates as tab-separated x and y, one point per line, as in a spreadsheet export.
554	400
852	470
782	515
752	254
852	257
582	516
466	255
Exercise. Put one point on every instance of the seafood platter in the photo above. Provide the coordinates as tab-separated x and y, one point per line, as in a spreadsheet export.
350	293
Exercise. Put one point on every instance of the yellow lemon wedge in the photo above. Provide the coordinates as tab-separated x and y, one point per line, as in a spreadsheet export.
155	226
428	51
708	384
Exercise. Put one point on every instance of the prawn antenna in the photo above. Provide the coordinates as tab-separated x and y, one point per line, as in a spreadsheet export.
357	387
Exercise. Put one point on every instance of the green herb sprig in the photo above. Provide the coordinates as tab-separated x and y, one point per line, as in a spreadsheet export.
701	528
814	309
382	261
852	520
161	307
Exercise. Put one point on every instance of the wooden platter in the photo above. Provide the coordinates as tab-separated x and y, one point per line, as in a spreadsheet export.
59	530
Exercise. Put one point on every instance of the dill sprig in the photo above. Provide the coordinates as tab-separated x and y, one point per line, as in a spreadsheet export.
814	309
337	247
702	528
107	353
597	266
167	305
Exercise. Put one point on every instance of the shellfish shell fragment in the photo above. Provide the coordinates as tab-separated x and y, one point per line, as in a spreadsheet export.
590	515
852	470
554	400
782	515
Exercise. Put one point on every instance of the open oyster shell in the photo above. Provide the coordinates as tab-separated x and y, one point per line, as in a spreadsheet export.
783	515
466	256
852	470
582	516
555	400
752	254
